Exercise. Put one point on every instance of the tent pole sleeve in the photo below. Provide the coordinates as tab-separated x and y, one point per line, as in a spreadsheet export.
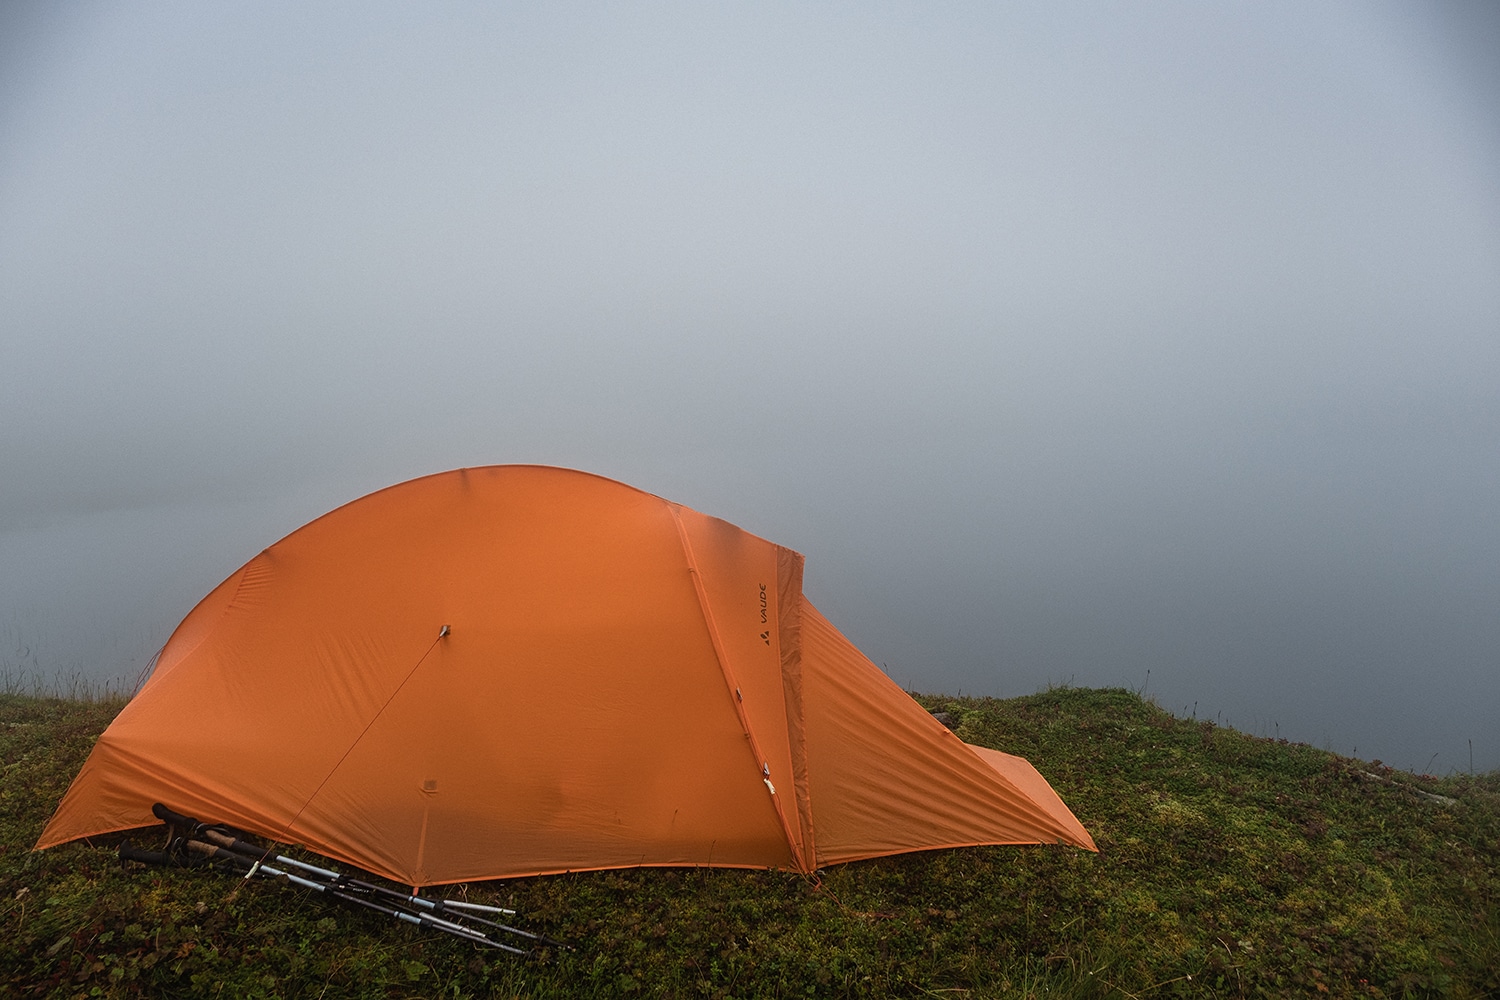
789	624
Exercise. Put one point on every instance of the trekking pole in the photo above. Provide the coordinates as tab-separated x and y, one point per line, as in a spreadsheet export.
196	852
459	904
456	908
215	852
176	820
129	852
465	910
230	843
446	905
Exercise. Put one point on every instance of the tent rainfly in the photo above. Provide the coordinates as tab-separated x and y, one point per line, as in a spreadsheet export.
517	670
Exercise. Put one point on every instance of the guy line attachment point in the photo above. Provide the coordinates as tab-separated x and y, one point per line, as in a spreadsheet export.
444	633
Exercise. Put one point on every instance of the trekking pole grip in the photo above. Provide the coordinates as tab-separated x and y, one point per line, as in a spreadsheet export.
129	852
177	819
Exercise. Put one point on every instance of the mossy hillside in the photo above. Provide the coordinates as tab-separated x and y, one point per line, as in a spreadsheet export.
1229	866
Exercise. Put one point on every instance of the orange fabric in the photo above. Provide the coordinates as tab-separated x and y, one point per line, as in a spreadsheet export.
1019	772
887	777
624	682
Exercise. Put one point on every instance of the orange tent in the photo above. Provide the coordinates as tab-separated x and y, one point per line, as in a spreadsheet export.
516	670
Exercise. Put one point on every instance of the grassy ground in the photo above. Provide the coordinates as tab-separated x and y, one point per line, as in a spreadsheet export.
1230	866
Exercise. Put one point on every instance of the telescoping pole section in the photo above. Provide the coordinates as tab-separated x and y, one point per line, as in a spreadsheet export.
193	842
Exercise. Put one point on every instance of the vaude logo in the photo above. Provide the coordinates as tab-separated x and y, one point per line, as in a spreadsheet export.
765	636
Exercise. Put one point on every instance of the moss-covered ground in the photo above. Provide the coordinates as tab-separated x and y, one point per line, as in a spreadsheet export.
1229	866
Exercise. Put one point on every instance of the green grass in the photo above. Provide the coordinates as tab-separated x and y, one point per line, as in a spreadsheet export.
1229	866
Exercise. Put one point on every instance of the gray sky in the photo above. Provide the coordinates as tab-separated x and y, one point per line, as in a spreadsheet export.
1067	343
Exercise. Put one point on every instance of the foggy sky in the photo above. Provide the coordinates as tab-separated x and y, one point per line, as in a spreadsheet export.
1067	343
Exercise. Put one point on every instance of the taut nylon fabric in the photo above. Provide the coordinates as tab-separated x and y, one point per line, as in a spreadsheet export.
623	681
